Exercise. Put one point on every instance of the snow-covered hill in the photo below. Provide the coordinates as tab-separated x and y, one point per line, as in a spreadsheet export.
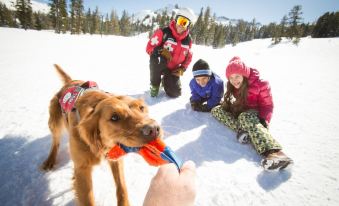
304	81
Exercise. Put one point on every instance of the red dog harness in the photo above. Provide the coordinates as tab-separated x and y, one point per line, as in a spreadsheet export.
68	99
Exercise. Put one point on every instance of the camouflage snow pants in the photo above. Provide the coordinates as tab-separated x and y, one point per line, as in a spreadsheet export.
248	121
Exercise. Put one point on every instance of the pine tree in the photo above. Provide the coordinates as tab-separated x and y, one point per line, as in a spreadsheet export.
219	36
163	19
294	32
37	21
327	26
54	15
115	23
24	13
125	24
283	26
206	25
58	15
279	31
240	29
277	35
63	15
87	22
197	35
102	27
76	16
211	33
95	22
253	29
2	14
234	36
7	17
107	25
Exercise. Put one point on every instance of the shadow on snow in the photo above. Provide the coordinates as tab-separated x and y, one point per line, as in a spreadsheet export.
21	180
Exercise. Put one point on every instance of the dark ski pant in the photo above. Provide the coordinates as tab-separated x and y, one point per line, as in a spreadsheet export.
248	121
171	83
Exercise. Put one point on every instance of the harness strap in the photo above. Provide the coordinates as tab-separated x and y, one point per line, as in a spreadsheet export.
68	99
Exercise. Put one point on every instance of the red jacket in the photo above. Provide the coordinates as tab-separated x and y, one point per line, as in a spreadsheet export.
259	96
179	46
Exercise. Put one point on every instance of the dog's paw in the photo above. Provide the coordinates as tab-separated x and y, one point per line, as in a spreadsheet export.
47	165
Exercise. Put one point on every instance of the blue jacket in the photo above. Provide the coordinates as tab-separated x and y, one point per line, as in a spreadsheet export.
212	92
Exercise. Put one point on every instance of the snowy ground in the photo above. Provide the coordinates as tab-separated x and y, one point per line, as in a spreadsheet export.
304	81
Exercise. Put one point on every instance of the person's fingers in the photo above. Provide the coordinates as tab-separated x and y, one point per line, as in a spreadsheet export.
167	170
188	170
189	165
187	179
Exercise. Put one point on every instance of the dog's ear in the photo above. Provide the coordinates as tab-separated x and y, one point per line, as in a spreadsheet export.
90	133
87	103
89	120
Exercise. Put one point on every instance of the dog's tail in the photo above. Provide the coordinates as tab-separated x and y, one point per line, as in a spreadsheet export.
64	77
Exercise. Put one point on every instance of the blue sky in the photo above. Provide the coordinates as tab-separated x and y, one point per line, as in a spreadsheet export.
265	11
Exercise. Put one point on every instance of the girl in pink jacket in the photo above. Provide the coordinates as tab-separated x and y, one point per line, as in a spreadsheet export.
247	109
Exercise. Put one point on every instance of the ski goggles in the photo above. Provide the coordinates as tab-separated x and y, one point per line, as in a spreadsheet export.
183	21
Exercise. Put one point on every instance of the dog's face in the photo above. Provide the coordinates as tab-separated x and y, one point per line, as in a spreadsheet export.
118	119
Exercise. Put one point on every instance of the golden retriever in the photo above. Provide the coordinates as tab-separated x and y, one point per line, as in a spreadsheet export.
98	121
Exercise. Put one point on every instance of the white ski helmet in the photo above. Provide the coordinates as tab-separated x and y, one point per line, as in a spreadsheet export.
188	13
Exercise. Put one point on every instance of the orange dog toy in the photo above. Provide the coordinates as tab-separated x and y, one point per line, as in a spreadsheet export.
154	153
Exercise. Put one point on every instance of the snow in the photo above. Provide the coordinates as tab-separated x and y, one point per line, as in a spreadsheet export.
304	81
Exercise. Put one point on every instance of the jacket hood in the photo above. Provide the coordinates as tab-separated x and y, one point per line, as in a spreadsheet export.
175	33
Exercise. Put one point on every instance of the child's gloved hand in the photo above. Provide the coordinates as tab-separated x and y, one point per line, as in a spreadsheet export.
264	123
204	108
196	106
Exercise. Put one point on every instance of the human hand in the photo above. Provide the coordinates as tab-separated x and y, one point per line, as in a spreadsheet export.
170	188
166	54
156	51
178	72
264	123
196	106
204	108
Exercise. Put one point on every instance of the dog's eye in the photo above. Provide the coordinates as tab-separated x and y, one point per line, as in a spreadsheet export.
142	108
115	117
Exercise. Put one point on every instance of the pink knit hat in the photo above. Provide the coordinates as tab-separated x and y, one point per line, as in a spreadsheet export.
236	66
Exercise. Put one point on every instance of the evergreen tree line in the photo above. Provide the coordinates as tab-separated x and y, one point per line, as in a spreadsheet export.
23	16
71	17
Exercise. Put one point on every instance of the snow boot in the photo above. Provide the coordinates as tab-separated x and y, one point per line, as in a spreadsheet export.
243	137
276	160
154	90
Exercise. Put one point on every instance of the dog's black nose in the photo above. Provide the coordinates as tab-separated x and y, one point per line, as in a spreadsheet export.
151	130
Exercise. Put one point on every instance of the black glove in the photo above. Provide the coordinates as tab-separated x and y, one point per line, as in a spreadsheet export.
204	108
156	51
196	106
264	123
